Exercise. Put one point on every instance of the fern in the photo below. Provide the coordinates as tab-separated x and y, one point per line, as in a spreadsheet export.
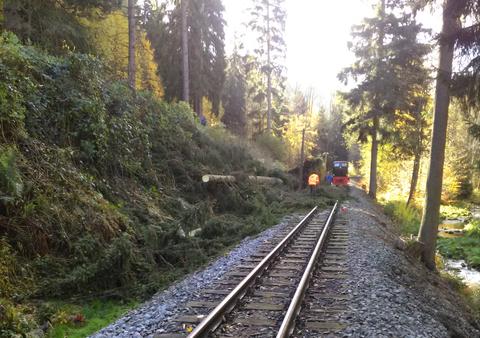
11	185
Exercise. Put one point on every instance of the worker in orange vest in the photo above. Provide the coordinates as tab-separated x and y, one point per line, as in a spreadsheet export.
313	181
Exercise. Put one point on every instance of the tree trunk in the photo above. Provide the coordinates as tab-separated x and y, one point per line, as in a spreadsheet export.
302	161
429	226
186	70
131	44
269	74
2	15
415	172
29	21
198	105
372	190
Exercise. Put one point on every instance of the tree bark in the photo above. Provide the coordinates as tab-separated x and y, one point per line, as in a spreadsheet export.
414	180
302	161
269	73
197	104
29	21
185	61
2	14
372	190
131	44
429	226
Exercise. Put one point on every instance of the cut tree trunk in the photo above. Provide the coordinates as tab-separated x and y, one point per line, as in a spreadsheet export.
230	178
372	190
131	44
415	172
185	61
429	226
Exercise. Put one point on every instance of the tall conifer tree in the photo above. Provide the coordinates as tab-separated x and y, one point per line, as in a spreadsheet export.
132	27
385	47
268	19
206	51
234	95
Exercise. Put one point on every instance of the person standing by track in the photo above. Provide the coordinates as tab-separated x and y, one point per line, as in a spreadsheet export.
313	182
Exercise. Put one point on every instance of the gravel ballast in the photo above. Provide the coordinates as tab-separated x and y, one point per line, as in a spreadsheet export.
153	316
393	294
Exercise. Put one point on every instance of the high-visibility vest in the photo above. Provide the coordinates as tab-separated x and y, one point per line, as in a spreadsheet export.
313	179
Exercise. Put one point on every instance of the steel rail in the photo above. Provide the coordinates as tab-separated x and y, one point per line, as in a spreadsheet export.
288	324
216	316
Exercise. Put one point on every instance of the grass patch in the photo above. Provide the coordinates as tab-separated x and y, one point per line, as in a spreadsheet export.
454	280
471	294
75	321
406	218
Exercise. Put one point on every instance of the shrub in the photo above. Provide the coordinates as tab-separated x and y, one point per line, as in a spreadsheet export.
8	270
11	184
407	218
273	145
473	228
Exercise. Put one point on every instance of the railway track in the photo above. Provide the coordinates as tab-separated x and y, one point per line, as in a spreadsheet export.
291	287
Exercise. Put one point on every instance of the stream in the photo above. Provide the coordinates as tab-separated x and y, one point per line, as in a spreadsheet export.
471	277
452	228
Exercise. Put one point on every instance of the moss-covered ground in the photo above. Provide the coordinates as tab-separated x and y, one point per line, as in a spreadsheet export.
76	321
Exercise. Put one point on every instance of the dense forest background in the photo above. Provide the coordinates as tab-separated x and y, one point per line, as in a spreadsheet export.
111	111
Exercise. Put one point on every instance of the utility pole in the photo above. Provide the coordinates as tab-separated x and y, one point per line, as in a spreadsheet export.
131	44
269	74
302	160
186	71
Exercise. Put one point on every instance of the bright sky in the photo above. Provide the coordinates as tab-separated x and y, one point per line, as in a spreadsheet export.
317	33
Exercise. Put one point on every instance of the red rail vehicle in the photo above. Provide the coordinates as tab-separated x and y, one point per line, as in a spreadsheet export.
340	173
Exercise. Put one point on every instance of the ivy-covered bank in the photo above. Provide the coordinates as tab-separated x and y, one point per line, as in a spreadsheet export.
100	191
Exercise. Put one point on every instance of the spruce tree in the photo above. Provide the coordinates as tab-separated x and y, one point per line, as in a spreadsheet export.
386	49
234	95
132	27
53	26
268	19
206	51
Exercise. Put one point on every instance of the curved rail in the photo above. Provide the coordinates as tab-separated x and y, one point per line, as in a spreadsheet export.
288	323
214	318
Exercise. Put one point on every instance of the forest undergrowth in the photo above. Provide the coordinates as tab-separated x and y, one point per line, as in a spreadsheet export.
101	195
